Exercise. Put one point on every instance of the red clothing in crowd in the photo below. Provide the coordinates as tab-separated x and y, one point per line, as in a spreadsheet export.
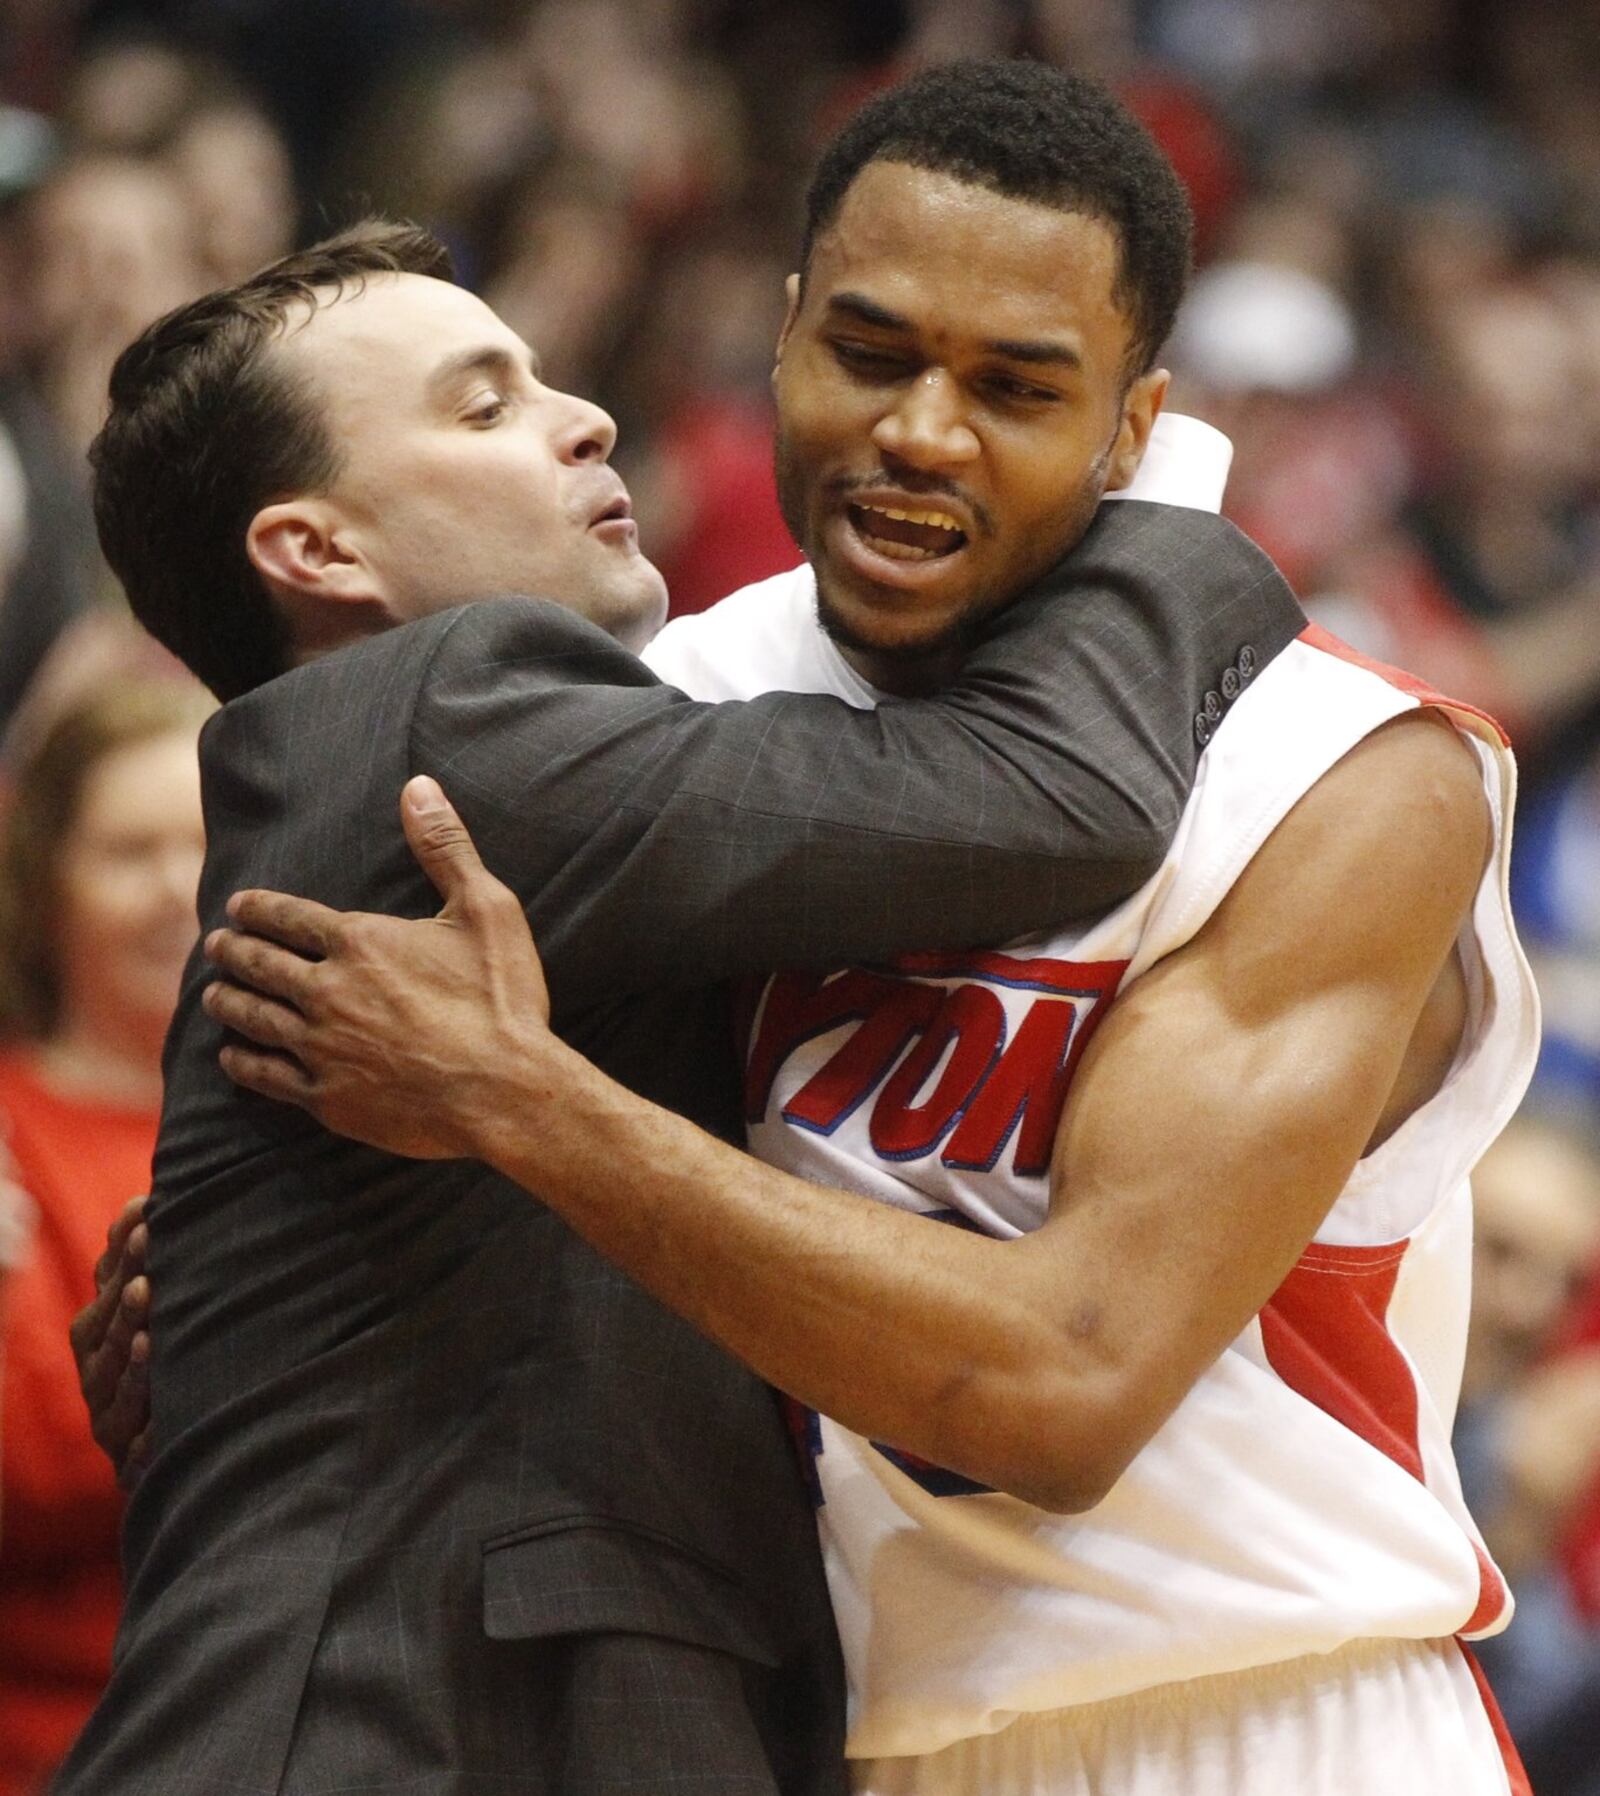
60	1587
734	532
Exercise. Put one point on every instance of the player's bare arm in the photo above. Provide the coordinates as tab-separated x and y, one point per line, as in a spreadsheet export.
1216	1116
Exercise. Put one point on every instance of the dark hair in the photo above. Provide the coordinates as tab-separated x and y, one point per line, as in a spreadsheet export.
1030	132
205	428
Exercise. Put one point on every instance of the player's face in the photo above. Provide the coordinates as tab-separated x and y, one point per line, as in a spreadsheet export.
953	400
463	475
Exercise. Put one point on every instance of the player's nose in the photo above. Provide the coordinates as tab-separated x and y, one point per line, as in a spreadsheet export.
926	425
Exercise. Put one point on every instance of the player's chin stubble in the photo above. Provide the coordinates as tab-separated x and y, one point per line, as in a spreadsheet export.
941	651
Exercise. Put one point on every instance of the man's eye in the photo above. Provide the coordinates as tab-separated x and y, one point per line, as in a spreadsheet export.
488	410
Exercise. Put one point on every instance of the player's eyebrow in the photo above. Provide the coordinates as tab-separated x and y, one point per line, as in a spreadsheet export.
489	358
867	311
1039	352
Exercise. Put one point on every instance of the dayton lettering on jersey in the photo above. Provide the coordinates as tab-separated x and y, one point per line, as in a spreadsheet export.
958	1052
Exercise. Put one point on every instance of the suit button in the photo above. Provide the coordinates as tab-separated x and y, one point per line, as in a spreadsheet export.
1245	661
1212	708
1203	728
1231	683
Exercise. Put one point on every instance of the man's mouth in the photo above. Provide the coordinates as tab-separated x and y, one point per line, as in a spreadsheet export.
906	534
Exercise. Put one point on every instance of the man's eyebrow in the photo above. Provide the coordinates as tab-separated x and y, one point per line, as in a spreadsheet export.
490	358
1039	352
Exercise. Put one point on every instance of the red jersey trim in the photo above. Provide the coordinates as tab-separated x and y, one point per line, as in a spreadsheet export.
1326	1335
1516	1775
1468	716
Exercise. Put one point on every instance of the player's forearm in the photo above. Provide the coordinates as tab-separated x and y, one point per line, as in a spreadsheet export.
935	1340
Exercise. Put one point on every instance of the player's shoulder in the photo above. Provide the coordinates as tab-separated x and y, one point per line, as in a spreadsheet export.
747	611
744	644
1416	769
1402	817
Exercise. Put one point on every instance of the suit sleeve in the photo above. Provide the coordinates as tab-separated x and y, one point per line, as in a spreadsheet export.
658	841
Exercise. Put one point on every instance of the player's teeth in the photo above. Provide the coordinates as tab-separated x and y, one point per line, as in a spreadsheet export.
941	520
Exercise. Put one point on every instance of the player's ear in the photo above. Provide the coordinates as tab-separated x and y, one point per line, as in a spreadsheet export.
1141	406
791	291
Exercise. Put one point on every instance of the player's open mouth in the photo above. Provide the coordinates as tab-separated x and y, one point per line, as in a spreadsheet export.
923	534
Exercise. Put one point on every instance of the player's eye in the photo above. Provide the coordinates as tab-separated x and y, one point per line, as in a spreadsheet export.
869	360
488	408
1010	388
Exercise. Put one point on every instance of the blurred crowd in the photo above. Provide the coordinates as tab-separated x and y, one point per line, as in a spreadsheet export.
1396	317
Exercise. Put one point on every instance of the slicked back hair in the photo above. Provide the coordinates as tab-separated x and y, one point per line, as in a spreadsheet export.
206	426
1030	132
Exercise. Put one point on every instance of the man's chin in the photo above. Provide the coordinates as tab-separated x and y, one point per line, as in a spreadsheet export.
637	608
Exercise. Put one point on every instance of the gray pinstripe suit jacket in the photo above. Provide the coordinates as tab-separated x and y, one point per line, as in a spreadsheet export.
442	1503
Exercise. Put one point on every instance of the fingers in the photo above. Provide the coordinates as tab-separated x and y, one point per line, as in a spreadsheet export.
103	1367
111	1345
298	923
118	1267
271	1076
115	1375
265	1021
124	1430
134	1461
262	965
116	1253
440	841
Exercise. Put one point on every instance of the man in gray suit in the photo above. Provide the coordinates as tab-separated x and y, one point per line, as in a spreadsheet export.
440	1501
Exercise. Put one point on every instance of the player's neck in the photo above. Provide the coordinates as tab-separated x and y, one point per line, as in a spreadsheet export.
900	677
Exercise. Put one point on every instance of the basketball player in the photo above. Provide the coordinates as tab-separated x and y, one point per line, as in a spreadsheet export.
1134	1476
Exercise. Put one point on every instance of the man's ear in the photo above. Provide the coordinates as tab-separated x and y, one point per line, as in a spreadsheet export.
316	576
1141	406
299	548
791	289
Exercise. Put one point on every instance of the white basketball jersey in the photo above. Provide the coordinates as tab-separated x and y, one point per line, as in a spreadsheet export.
1303	1494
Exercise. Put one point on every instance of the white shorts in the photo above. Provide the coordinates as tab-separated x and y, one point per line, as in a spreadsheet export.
1378	1718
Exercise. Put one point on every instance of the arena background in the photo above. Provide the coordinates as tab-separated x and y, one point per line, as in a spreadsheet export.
1396	317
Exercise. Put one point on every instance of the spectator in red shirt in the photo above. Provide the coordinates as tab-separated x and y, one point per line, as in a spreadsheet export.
99	859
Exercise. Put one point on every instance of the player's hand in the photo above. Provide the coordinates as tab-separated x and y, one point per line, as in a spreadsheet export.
386	1030
112	1348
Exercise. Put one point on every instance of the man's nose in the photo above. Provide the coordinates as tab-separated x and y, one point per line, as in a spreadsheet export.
584	431
926	425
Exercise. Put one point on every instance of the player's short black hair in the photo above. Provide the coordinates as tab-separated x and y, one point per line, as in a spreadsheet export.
1031	132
